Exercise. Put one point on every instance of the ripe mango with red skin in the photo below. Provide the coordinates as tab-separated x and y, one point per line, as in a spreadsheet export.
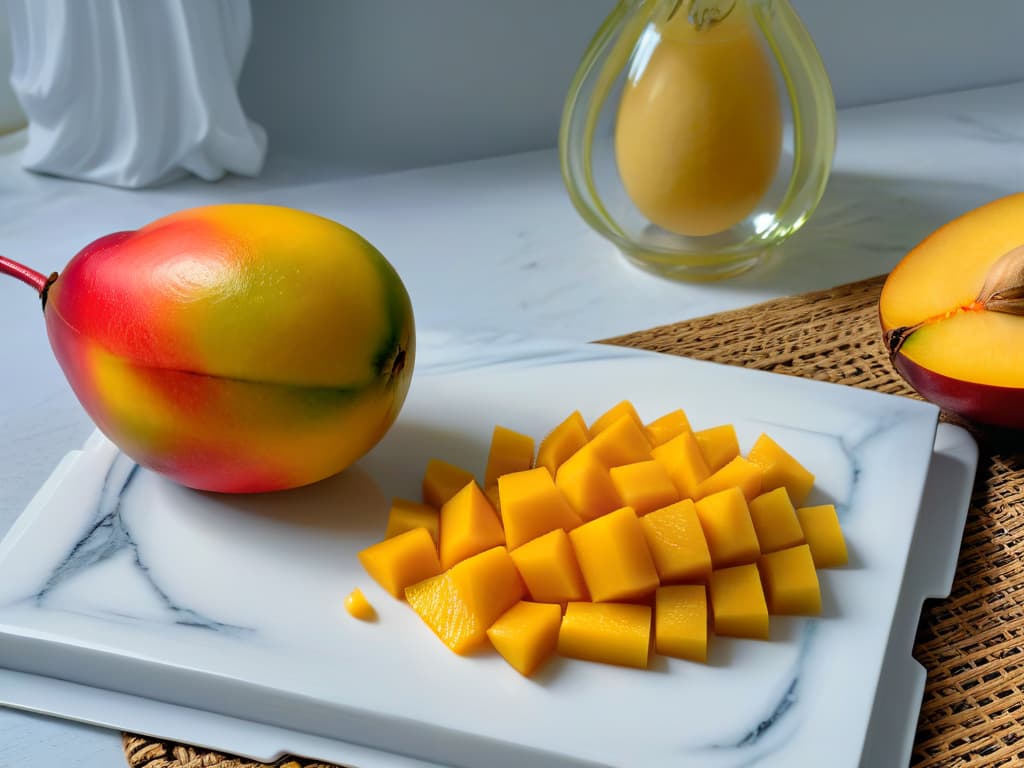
235	348
952	314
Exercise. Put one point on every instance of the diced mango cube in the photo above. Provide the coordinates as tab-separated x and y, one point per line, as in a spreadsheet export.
613	556
402	560
681	622
531	506
526	635
821	529
562	442
644	485
738	473
468	525
442	480
719	445
549	568
585	482
738	606
677	543
611	633
664	428
790	582
682	459
621	442
491	492
461	603
779	468
510	451
725	520
406	515
613	414
775	521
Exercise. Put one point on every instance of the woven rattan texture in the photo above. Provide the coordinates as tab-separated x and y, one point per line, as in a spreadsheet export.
971	644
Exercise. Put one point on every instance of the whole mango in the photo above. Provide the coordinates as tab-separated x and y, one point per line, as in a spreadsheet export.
234	348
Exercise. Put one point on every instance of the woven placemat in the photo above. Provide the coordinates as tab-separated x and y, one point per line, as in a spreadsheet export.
971	644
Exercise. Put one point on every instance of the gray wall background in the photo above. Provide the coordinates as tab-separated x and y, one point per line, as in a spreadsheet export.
388	84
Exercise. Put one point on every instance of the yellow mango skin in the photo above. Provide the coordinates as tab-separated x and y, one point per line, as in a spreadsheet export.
790	582
725	520
698	134
645	486
719	445
779	468
562	442
587	485
685	464
549	569
526	635
775	521
681	622
510	451
461	603
738	605
613	557
531	506
406	515
402	560
610	633
621	442
825	538
442	480
468	525
677	544
665	427
739	473
613	414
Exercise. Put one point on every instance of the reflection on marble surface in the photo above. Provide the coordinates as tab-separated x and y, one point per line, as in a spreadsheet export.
120	578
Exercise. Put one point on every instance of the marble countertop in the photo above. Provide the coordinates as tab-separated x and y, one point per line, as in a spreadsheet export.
488	244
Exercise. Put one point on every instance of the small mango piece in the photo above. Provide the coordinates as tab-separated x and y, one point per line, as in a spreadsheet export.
510	451
719	445
790	582
461	603
613	414
775	521
821	529
526	635
677	544
442	480
685	464
621	442
358	606
611	633
664	428
468	525
562	442
739	473
725	520
585	482
531	506
402	560
613	557
491	492
779	468
549	568
738	604
645	486
406	515
681	621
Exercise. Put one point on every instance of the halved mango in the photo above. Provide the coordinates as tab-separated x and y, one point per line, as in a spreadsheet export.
681	621
676	542
406	515
780	469
775	521
526	635
585	482
611	633
613	557
468	525
402	560
562	442
644	485
549	568
510	451
531	506
442	480
738	605
725	519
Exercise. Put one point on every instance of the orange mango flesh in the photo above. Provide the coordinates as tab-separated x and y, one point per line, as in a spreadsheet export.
571	544
359	607
664	428
562	442
442	480
406	515
613	414
511	451
936	285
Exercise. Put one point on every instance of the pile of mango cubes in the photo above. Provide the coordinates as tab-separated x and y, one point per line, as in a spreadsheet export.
608	538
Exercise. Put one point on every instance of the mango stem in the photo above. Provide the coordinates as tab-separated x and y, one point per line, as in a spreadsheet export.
29	276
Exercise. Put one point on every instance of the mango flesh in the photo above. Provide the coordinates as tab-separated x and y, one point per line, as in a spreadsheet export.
235	348
955	350
698	135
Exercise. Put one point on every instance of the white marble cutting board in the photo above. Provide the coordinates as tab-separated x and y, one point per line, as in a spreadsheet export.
117	579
